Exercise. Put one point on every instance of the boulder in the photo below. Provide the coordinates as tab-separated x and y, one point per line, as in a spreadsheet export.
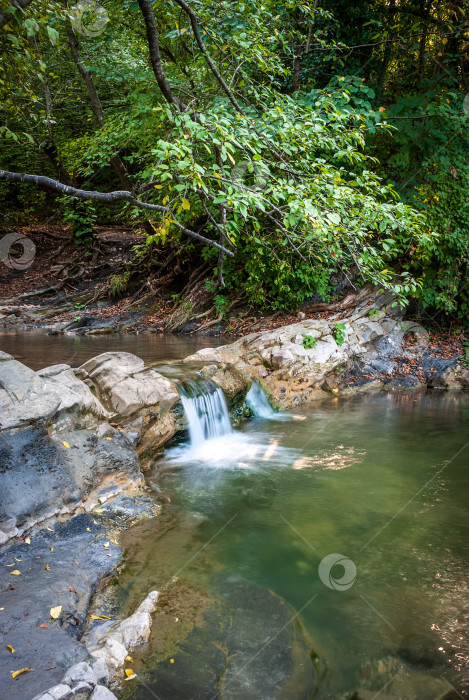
44	475
80	673
292	373
112	641
101	672
113	653
58	692
102	693
52	395
135	395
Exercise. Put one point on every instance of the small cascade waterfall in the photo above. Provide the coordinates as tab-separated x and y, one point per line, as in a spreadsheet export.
205	409
257	401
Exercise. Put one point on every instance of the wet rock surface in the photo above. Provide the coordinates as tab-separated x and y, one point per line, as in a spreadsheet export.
41	477
77	559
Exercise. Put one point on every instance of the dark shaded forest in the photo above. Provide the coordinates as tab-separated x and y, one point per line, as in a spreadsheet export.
274	146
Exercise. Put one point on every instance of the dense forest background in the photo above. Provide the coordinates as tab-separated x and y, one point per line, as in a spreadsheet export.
281	144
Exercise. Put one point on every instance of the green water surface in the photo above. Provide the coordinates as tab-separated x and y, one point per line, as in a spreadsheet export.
382	480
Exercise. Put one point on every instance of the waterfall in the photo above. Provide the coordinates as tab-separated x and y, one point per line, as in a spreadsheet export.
205	409
257	401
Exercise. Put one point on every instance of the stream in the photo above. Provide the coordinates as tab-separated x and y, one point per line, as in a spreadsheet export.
353	511
380	480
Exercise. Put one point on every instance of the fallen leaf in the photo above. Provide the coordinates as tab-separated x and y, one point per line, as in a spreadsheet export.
47	567
16	559
50	529
44	626
51	548
108	438
15	573
65	444
129	658
76	562
99	617
129	678
129	672
22	670
55	612
2	608
27	540
106	545
9	564
72	590
10	648
171	661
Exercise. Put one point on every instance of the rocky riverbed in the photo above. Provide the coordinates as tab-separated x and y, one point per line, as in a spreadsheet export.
74	442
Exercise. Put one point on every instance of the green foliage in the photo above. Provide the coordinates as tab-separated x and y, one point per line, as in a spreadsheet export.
221	304
339	333
118	284
308	341
465	358
353	161
81	216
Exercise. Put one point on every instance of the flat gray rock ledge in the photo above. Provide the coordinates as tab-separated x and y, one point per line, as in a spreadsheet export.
109	644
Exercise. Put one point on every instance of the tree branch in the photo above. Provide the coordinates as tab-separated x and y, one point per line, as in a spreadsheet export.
195	29
104	197
155	55
5	17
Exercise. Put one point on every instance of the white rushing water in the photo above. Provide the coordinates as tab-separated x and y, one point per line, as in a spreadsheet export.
257	401
205	409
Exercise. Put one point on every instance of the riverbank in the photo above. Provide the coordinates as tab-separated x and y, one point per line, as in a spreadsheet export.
77	441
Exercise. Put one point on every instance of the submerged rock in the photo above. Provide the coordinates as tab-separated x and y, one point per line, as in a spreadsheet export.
249	645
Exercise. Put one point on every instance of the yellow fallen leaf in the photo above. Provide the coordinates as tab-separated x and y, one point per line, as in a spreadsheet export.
106	544
47	567
15	573
55	612
108	438
51	548
65	444
22	670
129	672
129	678
129	658
99	617
27	540
171	661
9	564
10	648
50	529
16	559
